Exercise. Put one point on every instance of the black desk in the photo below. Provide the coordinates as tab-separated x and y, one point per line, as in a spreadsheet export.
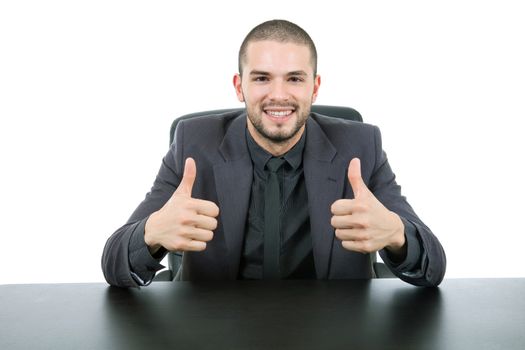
378	314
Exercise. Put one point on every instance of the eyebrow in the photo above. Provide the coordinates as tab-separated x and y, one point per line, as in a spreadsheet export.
293	73
298	72
258	72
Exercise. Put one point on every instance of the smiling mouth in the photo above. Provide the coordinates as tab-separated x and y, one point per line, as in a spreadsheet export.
279	112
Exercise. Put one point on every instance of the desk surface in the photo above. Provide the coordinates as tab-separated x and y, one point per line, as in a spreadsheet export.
378	314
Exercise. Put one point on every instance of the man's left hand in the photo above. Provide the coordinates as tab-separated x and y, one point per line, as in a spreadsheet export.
364	224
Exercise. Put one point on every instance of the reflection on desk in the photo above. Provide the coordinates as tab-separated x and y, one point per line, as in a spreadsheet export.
377	314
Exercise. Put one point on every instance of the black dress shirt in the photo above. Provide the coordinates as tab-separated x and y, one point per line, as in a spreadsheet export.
296	254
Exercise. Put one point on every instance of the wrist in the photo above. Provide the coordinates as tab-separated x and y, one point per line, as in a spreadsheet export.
149	237
398	240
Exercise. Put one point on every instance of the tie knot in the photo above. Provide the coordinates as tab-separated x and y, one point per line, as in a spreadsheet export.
274	164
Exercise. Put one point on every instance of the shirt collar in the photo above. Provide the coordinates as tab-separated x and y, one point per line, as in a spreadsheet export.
260	156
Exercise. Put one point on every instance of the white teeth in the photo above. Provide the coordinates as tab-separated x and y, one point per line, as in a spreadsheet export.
279	113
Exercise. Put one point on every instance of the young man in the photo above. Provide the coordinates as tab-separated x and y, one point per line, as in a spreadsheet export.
275	191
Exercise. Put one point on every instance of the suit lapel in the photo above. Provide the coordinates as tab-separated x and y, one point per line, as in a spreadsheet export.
233	180
324	179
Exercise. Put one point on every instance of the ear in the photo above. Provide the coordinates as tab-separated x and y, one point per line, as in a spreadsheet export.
237	80
317	84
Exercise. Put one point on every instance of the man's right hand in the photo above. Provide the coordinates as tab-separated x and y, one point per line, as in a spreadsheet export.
183	223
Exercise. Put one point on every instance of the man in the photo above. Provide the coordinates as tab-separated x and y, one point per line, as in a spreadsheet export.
276	191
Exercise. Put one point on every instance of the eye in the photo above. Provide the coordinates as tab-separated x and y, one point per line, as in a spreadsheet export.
296	79
260	78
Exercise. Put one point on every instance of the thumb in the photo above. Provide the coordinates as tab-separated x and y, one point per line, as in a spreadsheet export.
354	177
188	178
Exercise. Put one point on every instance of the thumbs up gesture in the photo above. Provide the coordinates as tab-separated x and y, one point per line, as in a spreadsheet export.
183	223
363	224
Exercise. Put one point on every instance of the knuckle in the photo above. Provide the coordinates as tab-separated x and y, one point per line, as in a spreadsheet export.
363	236
184	221
183	234
360	207
208	236
187	220
338	206
186	246
216	210
367	246
177	244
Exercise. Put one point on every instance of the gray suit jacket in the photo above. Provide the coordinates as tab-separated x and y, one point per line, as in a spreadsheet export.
224	176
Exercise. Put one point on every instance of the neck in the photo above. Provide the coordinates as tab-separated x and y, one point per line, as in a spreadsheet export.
275	148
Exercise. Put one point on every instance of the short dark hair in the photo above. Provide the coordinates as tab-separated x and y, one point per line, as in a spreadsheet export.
281	31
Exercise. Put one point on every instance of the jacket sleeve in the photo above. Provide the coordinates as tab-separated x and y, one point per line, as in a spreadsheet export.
428	267
124	246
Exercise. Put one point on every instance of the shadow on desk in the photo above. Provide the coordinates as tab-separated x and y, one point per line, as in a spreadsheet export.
291	315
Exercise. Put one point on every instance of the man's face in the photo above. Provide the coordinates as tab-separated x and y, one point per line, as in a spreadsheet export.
278	88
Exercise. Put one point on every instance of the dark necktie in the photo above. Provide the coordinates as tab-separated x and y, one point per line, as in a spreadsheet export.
272	221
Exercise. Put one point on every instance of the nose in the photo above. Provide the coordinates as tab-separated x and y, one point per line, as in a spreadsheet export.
278	91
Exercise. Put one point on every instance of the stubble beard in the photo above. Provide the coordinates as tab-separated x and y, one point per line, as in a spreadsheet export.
279	137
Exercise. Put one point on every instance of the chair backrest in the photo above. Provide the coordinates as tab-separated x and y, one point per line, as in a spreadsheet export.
332	111
175	258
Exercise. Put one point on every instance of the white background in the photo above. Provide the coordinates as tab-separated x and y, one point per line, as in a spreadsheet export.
89	89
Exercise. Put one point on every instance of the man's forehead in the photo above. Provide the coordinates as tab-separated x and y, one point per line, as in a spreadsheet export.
271	53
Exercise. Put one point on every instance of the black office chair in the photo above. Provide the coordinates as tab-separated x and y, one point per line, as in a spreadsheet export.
175	258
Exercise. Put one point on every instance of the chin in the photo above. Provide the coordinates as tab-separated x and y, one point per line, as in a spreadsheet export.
280	137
